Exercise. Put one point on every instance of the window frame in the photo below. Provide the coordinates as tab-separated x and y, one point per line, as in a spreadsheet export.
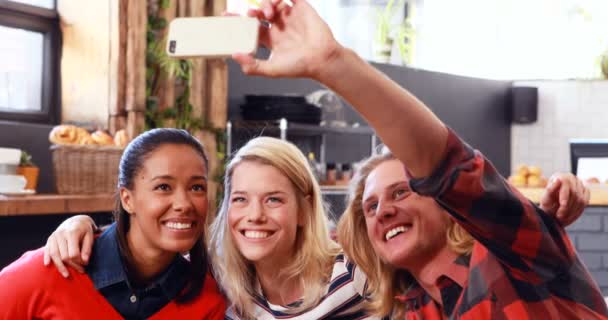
46	22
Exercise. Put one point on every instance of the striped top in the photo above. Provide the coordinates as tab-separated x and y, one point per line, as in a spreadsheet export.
343	300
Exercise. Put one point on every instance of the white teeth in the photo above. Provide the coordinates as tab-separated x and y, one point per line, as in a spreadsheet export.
395	231
256	234
179	225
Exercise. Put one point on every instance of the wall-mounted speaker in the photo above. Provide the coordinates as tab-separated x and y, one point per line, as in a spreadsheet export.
524	104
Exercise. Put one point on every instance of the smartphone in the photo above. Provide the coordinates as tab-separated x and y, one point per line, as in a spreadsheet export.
212	37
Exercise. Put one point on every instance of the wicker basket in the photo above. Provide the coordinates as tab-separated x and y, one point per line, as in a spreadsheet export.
85	169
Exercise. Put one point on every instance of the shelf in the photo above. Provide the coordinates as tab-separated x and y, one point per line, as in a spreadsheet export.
300	128
334	190
55	204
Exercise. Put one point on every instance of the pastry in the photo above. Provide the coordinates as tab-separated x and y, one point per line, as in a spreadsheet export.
87	140
102	138
536	182
517	180
535	171
64	134
522	170
120	138
83	136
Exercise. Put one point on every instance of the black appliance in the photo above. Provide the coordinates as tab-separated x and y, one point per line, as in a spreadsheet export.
294	108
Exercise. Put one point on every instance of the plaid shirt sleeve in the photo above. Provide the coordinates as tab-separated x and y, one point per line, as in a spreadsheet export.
522	236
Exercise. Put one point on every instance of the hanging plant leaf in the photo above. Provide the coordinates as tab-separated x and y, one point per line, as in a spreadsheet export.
170	113
604	64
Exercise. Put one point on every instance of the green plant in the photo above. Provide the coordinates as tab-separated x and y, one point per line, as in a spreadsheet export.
26	160
383	29
158	65
405	40
604	64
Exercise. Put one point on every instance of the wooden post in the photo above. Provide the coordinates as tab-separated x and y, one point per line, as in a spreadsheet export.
117	122
217	101
166	86
198	88
196	8
207	138
216	111
182	8
118	50
199	69
135	100
136	121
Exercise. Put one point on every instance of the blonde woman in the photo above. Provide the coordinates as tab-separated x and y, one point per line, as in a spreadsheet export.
270	243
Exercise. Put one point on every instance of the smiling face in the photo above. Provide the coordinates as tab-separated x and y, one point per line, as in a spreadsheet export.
404	228
168	202
263	213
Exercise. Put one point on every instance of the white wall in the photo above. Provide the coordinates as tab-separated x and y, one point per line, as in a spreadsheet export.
566	110
85	62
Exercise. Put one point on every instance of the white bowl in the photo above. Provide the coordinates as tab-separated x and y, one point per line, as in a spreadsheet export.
10	156
11	183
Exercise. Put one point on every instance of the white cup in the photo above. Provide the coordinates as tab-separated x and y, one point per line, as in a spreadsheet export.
12	183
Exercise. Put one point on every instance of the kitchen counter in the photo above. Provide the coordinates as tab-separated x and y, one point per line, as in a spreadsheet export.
47	204
599	195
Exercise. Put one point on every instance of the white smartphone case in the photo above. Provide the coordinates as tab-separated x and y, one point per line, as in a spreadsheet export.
212	37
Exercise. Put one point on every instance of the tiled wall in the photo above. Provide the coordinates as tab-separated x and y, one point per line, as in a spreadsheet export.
566	110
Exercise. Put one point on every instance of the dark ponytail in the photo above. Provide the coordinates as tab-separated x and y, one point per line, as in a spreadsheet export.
131	163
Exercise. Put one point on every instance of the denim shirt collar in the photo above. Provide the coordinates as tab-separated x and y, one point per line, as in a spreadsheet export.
106	267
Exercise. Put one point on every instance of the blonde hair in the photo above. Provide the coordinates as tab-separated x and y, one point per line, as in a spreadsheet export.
315	252
384	281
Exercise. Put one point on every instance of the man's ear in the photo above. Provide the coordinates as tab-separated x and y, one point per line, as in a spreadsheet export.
126	199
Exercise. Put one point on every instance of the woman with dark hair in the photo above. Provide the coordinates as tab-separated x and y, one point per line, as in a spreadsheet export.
136	269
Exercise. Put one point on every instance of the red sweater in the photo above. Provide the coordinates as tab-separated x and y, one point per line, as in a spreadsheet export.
29	290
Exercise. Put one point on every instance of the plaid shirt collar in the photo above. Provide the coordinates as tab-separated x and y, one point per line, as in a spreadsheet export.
456	273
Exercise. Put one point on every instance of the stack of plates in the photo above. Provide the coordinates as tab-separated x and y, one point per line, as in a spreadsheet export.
10	156
10	182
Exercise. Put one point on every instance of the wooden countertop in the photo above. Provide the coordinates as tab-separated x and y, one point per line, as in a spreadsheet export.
599	195
55	204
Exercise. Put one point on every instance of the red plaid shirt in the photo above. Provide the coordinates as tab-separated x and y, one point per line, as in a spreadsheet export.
523	265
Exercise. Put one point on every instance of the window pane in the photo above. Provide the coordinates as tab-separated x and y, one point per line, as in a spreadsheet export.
49	4
20	69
